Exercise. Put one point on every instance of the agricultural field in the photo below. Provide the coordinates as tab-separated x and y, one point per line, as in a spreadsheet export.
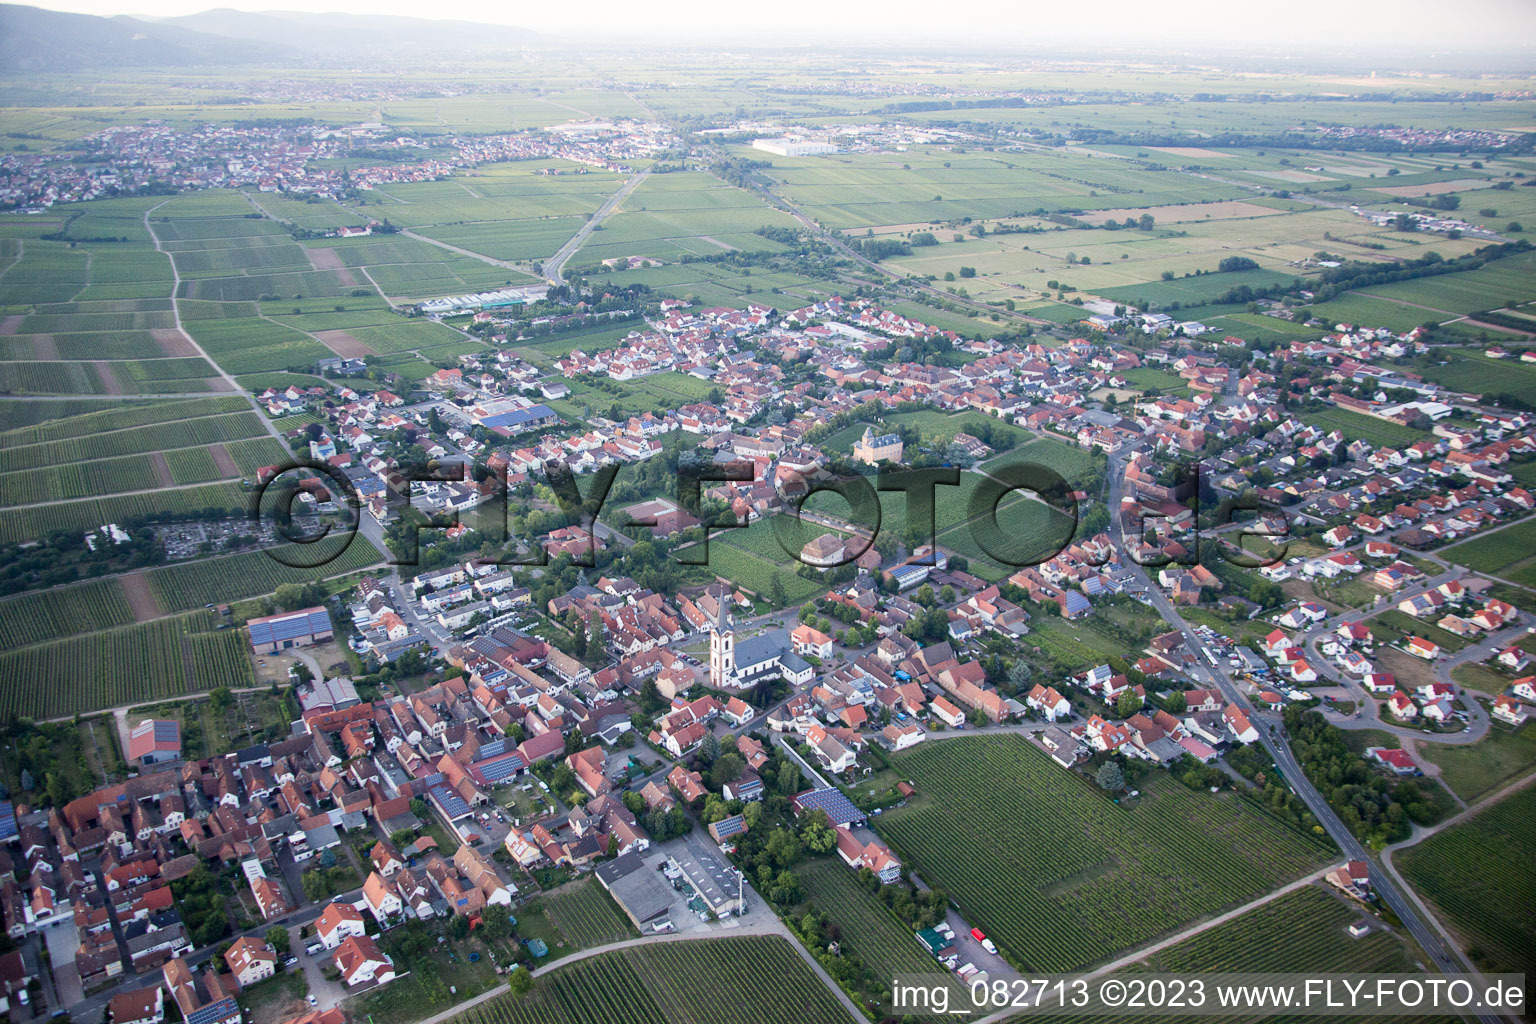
1079	877
221	580
33	521
77	480
62	611
704	981
1469	291
688	212
1307	928
852	190
1477	874
63	419
152	437
1509	553
124	665
1471	371
586	915
1358	427
869	930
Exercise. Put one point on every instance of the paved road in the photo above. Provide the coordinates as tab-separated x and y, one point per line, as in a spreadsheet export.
1445	956
554	266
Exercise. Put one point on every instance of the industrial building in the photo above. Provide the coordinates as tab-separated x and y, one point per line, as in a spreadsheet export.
793	147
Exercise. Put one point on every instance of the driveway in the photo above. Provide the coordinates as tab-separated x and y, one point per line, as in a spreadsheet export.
327	993
63	941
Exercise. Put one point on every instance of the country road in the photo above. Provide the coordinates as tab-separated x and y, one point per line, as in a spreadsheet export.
1446	956
554	266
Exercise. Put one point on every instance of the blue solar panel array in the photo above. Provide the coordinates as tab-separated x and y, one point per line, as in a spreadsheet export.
496	769
213	1012
727	827
494	748
290	628
452	804
520	417
7	821
167	731
840	810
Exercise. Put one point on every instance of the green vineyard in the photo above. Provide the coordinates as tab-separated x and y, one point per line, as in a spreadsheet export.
1478	873
1064	877
1301	931
63	611
587	916
218	580
868	929
131	664
747	980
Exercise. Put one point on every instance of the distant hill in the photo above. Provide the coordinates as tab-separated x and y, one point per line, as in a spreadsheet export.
32	39
354	34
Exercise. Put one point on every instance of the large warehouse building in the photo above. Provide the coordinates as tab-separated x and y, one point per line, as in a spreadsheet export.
273	634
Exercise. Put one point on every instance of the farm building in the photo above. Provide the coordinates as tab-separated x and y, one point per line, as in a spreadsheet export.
272	634
154	740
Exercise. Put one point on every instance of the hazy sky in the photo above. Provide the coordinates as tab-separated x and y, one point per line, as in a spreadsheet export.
1367	27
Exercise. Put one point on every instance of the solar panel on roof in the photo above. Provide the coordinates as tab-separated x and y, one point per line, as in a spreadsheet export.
167	732
291	627
839	809
452	804
213	1012
498	768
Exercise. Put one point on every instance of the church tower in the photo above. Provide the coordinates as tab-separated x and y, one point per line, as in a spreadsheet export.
722	648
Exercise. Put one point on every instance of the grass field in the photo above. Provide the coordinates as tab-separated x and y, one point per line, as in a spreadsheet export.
1478	874
1355	426
742	980
1509	553
1068	878
1477	770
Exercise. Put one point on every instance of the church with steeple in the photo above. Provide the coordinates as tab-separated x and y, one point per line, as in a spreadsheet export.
722	649
769	655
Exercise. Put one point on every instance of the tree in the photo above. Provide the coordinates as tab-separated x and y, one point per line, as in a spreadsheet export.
521	981
496	922
1110	777
1127	704
727	768
752	814
782	848
789	780
419	807
1020	674
277	938
1175	704
786	890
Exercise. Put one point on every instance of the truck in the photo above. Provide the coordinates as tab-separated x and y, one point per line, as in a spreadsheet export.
986	943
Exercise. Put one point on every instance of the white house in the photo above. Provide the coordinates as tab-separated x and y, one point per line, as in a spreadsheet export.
337	923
